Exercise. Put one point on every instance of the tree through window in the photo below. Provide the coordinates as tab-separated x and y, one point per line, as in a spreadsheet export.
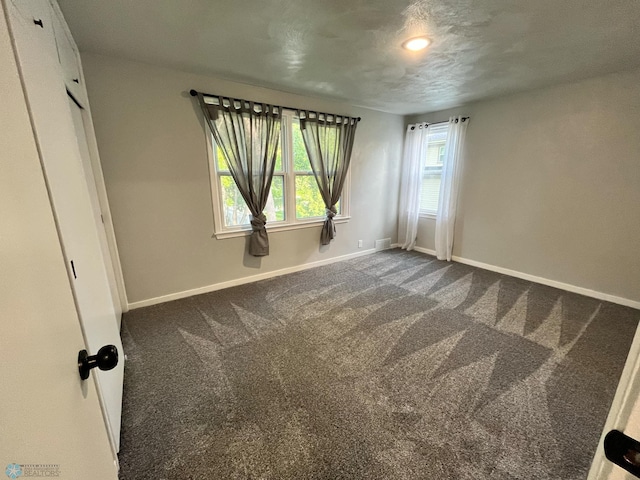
294	197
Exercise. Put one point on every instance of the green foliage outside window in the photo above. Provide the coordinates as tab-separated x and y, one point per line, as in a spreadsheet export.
300	158
309	203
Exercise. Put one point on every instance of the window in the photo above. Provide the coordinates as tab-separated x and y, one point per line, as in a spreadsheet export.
432	173
294	200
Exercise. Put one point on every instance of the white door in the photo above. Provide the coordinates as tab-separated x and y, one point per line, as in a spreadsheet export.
94	296
624	416
51	422
52	121
78	115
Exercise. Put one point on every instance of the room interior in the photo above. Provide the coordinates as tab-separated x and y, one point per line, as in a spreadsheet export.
357	359
174	222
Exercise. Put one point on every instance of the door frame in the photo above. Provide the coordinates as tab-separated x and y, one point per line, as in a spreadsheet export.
625	403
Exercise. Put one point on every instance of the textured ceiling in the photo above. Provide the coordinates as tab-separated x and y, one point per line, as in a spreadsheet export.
350	49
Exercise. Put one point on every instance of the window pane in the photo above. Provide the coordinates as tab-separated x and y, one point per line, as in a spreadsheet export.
221	162
309	202
300	158
430	191
327	139
274	210
278	167
235	211
435	154
432	175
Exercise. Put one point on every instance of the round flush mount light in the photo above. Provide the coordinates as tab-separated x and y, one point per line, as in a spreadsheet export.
416	43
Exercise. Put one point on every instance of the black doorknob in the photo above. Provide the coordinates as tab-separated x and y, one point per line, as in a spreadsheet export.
106	359
623	450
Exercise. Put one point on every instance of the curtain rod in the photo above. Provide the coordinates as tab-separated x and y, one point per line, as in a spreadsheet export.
194	93
413	125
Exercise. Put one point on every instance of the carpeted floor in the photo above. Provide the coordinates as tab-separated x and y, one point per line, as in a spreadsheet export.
388	366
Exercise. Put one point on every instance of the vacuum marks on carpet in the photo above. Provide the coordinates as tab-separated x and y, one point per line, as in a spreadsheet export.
388	366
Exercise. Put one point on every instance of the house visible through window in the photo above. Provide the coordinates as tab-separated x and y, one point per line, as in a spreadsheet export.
432	173
294	199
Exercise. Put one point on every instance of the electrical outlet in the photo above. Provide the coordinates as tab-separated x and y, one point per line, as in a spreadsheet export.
359	243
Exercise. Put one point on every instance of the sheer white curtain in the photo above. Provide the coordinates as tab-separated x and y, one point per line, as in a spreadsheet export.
447	203
415	156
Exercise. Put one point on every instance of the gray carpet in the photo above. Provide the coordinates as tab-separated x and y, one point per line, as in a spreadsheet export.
388	366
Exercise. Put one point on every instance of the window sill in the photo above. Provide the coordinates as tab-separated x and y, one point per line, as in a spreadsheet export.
432	216
241	232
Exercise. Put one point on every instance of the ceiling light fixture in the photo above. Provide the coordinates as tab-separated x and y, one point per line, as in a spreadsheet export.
416	43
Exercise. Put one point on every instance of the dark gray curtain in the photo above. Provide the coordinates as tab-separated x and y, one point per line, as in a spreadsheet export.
248	134
329	142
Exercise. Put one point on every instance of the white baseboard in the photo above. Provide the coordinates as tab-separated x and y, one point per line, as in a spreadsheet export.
425	250
544	281
243	280
297	268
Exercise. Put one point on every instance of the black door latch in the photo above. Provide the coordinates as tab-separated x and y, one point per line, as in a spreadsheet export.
623	450
106	359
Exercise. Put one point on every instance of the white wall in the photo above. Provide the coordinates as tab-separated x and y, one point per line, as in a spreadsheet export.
551	186
152	146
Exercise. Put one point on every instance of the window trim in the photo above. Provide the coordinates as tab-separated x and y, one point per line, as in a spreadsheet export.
220	231
245	231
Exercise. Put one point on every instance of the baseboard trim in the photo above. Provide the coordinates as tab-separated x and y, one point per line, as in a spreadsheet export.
297	268
544	281
241	281
428	251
